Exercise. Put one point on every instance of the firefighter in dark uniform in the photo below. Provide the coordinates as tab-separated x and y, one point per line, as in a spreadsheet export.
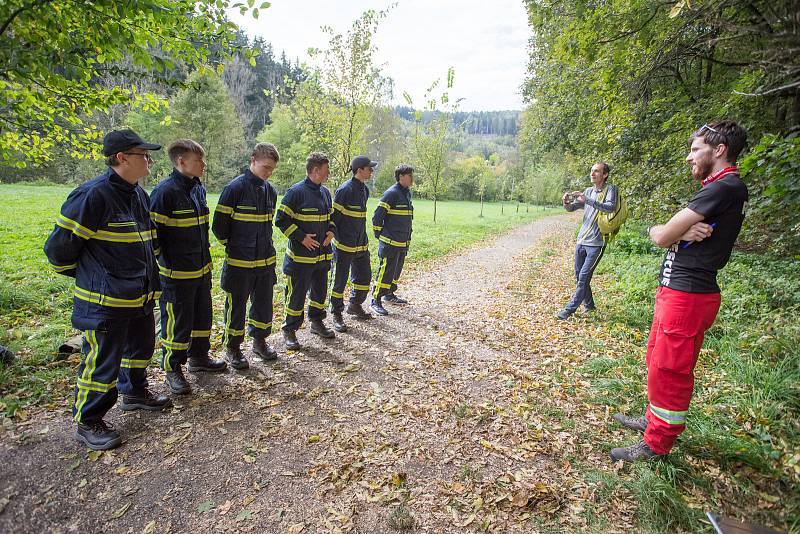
104	238
304	216
350	249
179	210
243	223
391	223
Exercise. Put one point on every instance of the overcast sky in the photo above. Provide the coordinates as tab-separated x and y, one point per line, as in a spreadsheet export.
484	41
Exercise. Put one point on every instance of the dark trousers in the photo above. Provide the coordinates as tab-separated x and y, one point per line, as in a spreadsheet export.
356	265
586	260
305	281
115	357
185	323
390	265
239	286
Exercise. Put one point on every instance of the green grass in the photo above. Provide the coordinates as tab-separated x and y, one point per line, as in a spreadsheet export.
741	447
35	303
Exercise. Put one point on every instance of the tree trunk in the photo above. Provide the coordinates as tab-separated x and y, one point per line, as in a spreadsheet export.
481	215
434	208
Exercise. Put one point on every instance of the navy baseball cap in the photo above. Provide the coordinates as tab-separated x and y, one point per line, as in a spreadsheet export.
122	140
361	161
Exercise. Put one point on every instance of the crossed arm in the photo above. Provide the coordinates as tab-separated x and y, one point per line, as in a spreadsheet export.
686	225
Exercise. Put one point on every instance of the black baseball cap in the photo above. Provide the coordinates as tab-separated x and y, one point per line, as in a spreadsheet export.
361	161
122	140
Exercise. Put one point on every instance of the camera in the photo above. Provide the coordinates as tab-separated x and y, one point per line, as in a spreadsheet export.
568	198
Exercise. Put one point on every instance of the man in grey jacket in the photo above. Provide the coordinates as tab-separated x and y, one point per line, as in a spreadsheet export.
591	243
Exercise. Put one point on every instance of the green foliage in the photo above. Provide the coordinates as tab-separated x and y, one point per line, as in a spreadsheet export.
283	132
772	168
63	60
431	142
203	111
335	106
628	81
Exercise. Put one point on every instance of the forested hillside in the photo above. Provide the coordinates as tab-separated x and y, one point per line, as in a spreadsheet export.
628	82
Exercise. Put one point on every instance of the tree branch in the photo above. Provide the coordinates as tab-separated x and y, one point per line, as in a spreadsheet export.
787	87
19	10
629	32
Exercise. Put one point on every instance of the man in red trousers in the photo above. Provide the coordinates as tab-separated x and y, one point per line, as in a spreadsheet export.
699	240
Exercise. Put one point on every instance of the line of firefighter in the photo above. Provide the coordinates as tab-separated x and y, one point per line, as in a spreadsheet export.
126	250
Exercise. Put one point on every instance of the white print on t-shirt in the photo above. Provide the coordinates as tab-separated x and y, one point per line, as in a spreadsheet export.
666	272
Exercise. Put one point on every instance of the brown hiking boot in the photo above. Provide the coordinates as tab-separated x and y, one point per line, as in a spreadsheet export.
633	453
206	364
338	323
262	349
144	400
177	382
634	423
236	358
290	338
357	311
316	326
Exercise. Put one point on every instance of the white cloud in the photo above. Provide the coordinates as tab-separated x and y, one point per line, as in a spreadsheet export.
485	42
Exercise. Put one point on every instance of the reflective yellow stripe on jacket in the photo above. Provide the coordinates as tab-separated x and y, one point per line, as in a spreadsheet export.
303	217
393	242
345	248
178	223
250	264
114	302
350	213
307	259
185	275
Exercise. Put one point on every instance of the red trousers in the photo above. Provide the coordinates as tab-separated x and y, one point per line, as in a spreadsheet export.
679	324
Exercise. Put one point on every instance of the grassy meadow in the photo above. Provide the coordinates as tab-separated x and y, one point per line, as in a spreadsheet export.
35	302
741	449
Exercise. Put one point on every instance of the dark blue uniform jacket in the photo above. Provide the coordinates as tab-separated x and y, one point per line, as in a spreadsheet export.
105	239
305	209
179	210
243	223
350	216
391	221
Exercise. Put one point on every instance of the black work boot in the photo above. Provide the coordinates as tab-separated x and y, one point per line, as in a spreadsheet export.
177	382
98	435
378	308
634	423
262	349
290	338
144	400
338	323
319	328
391	298
206	364
357	311
633	453
236	358
563	314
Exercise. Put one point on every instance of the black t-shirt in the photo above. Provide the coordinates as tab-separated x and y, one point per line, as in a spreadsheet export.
692	267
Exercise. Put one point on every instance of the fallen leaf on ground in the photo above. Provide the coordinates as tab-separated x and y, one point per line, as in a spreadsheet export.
121	511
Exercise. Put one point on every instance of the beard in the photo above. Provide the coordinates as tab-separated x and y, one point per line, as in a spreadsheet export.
701	171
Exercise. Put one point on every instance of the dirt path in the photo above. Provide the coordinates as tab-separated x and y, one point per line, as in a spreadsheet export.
403	420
